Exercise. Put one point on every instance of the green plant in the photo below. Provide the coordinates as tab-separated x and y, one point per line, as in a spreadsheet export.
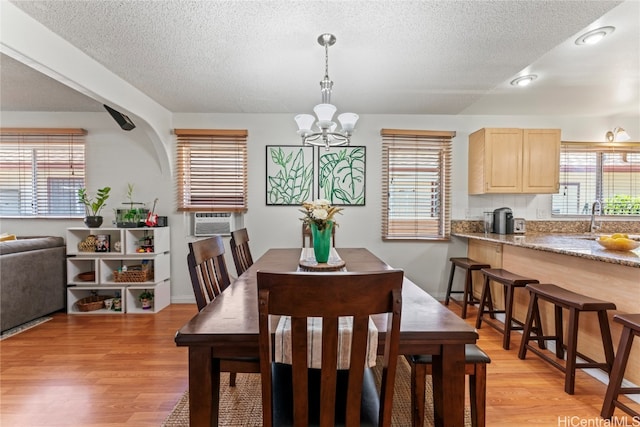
132	213
91	207
146	295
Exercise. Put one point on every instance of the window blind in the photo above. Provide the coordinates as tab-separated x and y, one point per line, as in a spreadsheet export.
607	172
211	170
416	181
41	171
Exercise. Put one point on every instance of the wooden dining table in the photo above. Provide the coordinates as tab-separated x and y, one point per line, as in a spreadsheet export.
228	327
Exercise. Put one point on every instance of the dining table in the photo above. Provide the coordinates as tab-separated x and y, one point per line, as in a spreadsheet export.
228	328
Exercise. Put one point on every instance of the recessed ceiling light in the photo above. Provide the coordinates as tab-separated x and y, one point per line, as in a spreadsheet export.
523	80
594	36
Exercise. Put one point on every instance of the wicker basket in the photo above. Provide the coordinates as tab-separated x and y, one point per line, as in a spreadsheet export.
92	303
134	273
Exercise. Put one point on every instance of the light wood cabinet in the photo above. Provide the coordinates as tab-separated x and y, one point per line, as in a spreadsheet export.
507	160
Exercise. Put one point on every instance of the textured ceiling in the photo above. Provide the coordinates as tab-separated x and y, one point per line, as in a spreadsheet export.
391	57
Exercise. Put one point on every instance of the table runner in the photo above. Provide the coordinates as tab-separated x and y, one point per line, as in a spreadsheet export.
314	333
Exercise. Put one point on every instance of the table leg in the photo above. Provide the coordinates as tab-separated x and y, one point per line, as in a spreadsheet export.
448	386
204	387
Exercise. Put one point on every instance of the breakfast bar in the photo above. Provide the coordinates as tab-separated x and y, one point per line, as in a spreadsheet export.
572	261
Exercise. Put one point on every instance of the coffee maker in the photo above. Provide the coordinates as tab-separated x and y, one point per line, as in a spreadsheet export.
503	221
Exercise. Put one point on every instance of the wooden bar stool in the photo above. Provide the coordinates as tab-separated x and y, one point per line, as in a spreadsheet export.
510	281
631	329
475	367
575	303
468	265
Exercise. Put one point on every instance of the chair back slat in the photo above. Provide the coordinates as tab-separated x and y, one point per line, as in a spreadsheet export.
207	269
240	250
329	296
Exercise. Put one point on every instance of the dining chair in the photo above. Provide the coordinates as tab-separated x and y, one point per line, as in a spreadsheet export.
240	250
209	278
295	394
307	237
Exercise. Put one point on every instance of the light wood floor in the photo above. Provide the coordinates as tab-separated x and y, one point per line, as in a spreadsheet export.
125	370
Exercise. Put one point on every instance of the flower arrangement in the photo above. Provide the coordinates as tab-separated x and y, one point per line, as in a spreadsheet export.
319	212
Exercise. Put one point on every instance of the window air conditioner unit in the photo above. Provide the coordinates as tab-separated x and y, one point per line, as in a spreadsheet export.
211	223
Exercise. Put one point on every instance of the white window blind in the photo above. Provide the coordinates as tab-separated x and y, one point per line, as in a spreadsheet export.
607	172
211	170
41	171
416	181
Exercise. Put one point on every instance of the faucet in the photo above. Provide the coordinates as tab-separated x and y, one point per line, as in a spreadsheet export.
596	209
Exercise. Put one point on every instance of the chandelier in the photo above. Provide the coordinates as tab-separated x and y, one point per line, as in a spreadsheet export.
326	135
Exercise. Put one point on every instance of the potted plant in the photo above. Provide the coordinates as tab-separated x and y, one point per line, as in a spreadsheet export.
146	298
127	218
93	207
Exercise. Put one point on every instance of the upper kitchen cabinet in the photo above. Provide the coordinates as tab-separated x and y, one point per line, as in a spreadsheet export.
514	161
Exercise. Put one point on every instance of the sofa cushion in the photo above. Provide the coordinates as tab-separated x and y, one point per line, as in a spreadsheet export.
24	244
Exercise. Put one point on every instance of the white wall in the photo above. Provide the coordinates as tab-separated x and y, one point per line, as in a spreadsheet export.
115	158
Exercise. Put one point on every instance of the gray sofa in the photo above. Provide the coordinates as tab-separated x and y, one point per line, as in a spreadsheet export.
32	279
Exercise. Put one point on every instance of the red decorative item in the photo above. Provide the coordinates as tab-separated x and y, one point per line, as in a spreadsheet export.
152	218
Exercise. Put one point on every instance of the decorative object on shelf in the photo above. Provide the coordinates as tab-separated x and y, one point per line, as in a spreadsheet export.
117	246
146	299
93	208
152	218
319	216
133	216
103	243
134	273
326	136
88	276
91	303
88	244
145	243
117	304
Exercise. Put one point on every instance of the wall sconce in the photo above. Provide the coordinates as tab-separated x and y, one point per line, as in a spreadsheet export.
617	135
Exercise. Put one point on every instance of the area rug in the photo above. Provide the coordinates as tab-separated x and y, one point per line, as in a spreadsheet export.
25	326
241	406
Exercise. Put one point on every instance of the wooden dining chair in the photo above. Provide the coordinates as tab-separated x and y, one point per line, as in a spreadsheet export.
307	236
240	250
209	278
294	394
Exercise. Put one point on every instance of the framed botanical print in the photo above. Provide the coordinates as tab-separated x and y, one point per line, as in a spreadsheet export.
290	177
341	175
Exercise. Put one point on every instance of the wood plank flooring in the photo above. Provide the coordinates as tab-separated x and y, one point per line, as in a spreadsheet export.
125	370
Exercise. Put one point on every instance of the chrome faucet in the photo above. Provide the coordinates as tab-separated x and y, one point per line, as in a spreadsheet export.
596	209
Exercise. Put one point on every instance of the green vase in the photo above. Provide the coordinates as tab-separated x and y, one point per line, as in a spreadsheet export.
321	241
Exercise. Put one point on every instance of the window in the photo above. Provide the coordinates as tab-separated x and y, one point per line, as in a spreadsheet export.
416	169
41	171
607	172
211	170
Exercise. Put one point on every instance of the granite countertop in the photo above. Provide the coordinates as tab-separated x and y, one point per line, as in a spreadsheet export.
580	245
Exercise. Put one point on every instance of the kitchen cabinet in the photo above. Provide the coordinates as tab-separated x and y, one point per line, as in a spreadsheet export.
508	160
133	248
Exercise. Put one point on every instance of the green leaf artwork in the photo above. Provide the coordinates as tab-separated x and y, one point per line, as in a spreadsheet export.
289	174
341	175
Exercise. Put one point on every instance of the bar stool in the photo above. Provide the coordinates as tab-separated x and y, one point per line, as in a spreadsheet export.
631	329
468	265
575	303
510	281
475	367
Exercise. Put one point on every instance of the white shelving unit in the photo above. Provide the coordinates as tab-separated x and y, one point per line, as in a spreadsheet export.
137	246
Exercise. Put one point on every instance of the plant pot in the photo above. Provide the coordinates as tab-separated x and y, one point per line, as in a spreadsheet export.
147	304
93	221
